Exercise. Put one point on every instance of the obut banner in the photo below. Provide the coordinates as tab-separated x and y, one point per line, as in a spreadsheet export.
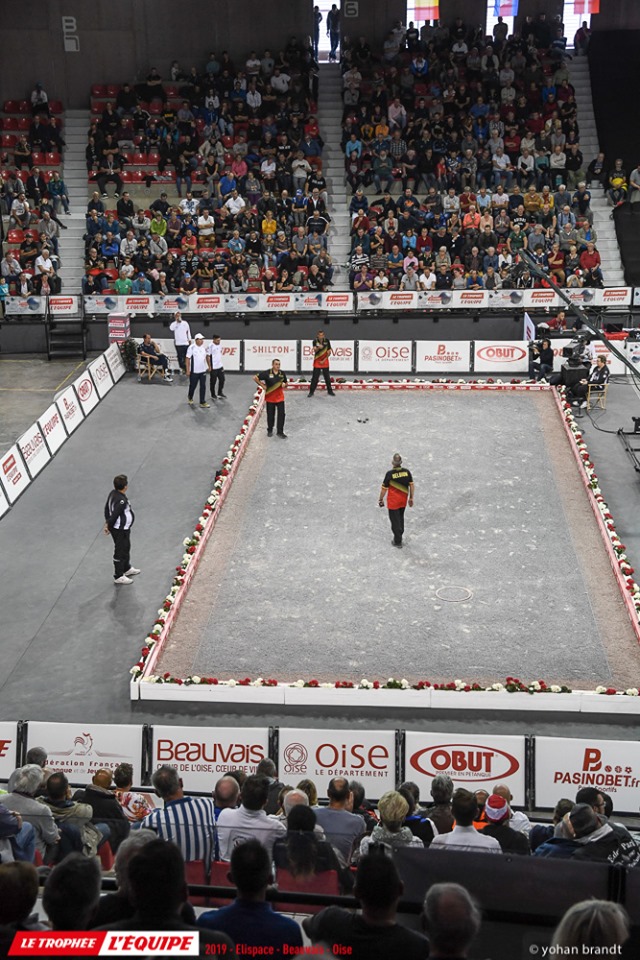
471	761
324	754
78	750
8	749
563	766
202	755
501	356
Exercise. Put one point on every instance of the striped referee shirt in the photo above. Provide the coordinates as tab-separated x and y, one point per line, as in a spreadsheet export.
190	822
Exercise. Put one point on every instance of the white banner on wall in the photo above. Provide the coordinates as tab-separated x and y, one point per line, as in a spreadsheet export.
8	749
53	428
472	762
342	302
4	503
342	359
501	356
258	354
206	303
79	749
99	370
13	473
446	356
389	300
115	361
563	766
202	755
69	406
59	306
86	391
321	755
34	450
25	305
384	356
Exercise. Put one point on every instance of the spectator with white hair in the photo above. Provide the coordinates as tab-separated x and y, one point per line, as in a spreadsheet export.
440	811
25	785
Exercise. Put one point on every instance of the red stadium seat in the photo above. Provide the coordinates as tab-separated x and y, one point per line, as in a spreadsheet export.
137	176
48	175
195	871
127	156
140	159
111	273
15	235
11	106
37	159
113	89
23	106
106	856
9	123
55	106
8	140
99	90
325	882
227	142
23	123
97	107
172	90
155	108
218	878
127	176
52	159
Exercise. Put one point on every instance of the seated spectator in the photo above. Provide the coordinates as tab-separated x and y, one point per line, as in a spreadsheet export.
341	826
152	352
20	212
25	785
158	890
46	280
250	919
518	819
451	919
71	893
249	820
106	808
464	835
18	896
372	934
391	831
541	832
597	840
597	379
17	839
498	814
592	926
590	262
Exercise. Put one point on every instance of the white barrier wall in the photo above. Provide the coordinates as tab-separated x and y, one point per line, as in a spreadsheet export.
52	427
258	354
79	749
202	755
321	755
472	762
34	450
13	474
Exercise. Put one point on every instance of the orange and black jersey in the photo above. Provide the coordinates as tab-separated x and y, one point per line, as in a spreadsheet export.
396	483
273	385
321	352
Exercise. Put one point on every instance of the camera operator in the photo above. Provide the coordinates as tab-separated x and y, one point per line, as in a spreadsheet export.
540	359
574	370
598	379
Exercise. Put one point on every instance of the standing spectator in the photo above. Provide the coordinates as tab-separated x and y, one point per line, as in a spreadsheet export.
198	363
188	821
119	518
333	32
181	337
273	382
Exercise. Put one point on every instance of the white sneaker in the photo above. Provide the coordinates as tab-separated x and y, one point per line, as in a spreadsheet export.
132	572
123	579
168	379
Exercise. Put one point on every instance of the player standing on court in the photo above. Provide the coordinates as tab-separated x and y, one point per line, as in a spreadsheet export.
398	487
321	353
273	382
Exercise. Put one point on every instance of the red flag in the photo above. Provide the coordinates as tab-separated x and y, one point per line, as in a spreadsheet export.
581	7
427	11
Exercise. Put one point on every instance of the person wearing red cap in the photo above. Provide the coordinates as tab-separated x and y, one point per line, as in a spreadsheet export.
498	812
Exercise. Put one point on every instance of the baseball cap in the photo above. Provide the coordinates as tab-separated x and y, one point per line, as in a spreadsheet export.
198	336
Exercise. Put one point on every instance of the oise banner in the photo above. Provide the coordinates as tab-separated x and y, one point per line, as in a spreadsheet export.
320	755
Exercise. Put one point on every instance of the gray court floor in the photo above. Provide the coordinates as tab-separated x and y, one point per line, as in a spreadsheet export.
308	583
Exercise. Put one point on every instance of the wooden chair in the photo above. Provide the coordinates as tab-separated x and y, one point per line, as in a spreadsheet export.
146	369
597	396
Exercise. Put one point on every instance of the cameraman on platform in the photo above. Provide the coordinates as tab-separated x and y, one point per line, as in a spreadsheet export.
540	359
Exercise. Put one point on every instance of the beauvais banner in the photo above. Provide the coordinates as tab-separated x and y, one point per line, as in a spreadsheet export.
501	356
34	450
8	749
321	755
342	359
202	755
79	749
563	766
392	356
477	763
14	476
203	303
443	356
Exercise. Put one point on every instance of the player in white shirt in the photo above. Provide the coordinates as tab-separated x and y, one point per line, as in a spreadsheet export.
198	362
182	338
217	369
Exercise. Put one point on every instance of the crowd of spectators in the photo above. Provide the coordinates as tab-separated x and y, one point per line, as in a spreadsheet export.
32	192
265	830
481	135
242	144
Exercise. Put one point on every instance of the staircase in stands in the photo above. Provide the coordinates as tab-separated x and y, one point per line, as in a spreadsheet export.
330	122
606	243
76	124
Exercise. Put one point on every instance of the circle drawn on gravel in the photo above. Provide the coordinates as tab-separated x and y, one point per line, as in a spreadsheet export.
454	594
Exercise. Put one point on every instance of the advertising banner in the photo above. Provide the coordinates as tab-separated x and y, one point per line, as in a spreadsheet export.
526	299
615	365
342	360
115	361
13	473
99	370
70	408
206	303
472	762
258	354
61	306
230	354
53	428
384	356
8	749
389	300
4	503
34	450
501	356
563	766
86	391
202	755
323	754
25	305
337	302
78	750
614	296
103	304
443	356
244	303
172	304
144	303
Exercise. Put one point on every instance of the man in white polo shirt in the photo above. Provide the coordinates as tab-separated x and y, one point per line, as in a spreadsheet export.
182	338
249	821
464	835
198	362
217	369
